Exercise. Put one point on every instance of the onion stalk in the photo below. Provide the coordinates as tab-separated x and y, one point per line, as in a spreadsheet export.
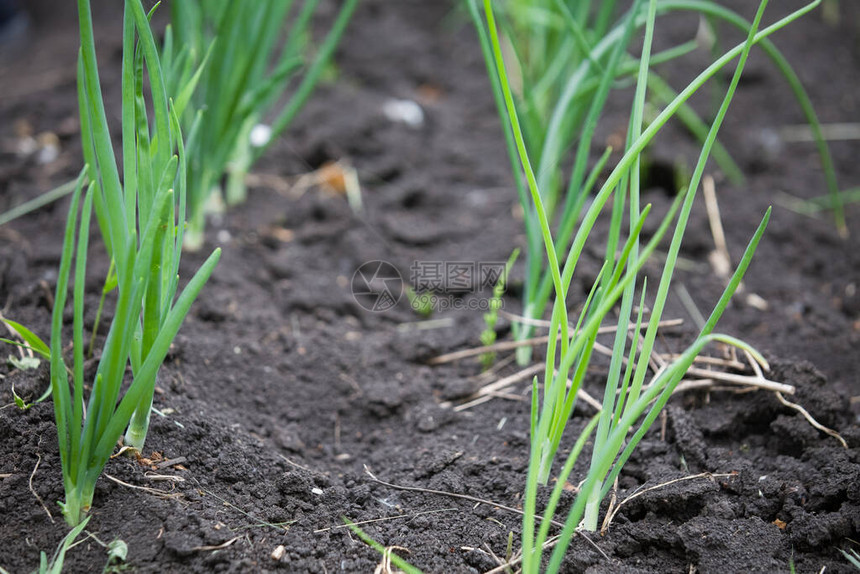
142	221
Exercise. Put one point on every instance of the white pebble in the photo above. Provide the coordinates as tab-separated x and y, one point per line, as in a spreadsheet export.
404	112
278	552
48	154
260	135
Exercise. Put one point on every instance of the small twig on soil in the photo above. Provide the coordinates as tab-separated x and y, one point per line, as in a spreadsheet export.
551	541
720	260
710	378
795	406
753	381
610	512
709	384
163	477
269	181
811	420
587	398
519	557
295	464
585	537
655	359
639	493
753	363
493	390
489	374
479	401
504	346
219	547
452	495
709	381
384	567
487	551
154	491
33	490
283	526
501	384
498	560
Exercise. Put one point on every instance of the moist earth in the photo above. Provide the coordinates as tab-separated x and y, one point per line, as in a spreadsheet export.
281	394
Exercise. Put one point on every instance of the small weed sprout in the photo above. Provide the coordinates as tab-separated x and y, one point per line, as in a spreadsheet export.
421	303
491	317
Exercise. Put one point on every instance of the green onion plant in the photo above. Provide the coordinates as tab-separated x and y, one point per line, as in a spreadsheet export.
567	55
229	62
629	406
142	221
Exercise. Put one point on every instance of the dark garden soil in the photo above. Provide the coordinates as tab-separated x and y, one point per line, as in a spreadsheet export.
280	389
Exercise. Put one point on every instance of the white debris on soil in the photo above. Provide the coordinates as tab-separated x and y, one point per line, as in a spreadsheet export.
278	552
260	135
404	112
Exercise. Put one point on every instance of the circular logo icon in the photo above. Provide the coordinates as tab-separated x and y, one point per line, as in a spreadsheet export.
377	286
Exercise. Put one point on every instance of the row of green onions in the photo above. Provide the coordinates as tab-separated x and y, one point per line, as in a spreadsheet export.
629	404
207	79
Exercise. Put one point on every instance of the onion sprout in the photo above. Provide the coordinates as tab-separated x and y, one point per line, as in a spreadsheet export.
143	229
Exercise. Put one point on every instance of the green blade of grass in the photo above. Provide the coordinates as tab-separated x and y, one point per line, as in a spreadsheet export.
33	341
